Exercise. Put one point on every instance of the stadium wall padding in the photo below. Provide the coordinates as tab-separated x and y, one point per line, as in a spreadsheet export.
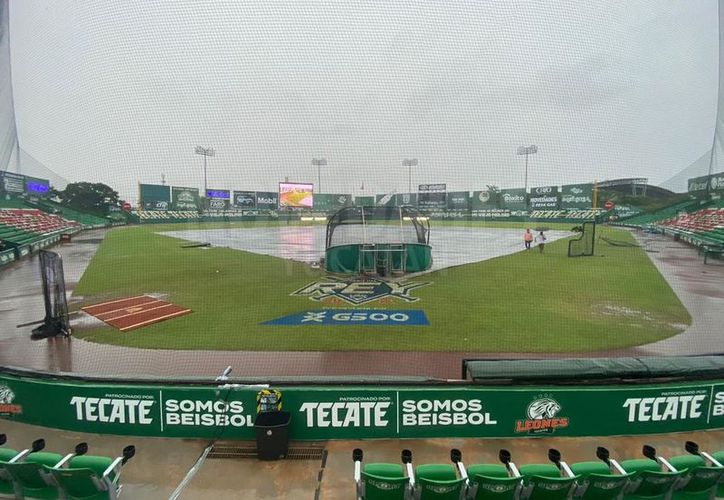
363	412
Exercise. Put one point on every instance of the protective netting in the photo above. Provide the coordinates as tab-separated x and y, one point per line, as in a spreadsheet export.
234	132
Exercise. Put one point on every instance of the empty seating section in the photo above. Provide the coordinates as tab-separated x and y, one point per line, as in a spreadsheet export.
704	227
25	230
696	475
646	219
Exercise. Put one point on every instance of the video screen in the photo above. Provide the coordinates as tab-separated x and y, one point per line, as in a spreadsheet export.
296	195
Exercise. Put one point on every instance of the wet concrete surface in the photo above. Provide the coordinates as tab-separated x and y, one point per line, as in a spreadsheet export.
160	465
699	287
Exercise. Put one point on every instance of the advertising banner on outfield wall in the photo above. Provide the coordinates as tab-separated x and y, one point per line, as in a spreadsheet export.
267	200
714	182
513	199
185	199
330	202
577	196
459	200
485	200
406	199
155	196
11	182
544	197
432	201
320	413
385	200
244	199
364	201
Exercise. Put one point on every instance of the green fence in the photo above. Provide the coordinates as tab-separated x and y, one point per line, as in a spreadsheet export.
345	412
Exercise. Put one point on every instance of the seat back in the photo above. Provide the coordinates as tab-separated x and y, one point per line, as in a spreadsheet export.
493	488
384	488
78	483
549	488
453	489
700	479
653	483
6	480
602	486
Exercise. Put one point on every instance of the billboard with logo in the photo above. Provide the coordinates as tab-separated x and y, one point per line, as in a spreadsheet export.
364	201
576	196
267	200
406	199
513	199
244	199
218	199
11	183
485	199
154	196
364	412
386	200
432	200
713	182
459	200
544	197
185	199
37	187
296	195
331	202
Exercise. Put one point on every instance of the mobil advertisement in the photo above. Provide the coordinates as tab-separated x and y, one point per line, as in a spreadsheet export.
267	200
365	412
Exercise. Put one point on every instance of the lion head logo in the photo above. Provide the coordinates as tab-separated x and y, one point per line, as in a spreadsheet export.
543	408
6	395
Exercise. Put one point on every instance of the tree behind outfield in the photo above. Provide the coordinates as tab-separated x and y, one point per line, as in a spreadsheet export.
88	197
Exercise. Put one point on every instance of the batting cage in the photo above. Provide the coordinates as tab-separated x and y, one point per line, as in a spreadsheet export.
56	305
583	246
378	240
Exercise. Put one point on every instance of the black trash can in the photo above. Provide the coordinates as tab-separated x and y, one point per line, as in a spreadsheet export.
272	434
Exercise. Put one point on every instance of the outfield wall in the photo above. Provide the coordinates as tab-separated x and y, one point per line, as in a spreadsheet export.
363	412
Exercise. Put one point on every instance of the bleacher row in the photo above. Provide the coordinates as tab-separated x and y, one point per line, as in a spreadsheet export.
696	475
34	473
23	231
704	227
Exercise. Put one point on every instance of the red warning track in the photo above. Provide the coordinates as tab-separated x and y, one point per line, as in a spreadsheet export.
135	312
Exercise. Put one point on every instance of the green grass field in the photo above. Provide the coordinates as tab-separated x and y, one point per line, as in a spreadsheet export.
524	302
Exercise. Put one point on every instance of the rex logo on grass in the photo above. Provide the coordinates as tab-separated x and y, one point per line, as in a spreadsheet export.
362	291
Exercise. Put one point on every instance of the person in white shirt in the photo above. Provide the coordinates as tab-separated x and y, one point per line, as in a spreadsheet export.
540	240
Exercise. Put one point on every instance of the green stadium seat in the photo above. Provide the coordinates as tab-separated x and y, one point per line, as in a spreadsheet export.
543	470
88	477
438	481
596	481
380	481
719	457
30	476
6	480
489	482
647	480
547	488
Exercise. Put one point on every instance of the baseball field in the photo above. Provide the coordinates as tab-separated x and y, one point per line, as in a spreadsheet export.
522	301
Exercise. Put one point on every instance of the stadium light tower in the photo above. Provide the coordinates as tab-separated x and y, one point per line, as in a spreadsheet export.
527	151
409	164
205	152
319	163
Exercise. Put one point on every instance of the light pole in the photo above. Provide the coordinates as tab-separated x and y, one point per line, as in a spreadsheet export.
527	151
205	152
409	164
319	163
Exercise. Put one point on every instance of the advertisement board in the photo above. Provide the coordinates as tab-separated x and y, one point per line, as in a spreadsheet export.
184	198
459	200
244	199
320	413
433	200
218	199
37	187
713	182
577	196
386	200
267	200
431	188
513	199
364	201
331	202
154	196
544	197
12	183
406	199
485	199
296	195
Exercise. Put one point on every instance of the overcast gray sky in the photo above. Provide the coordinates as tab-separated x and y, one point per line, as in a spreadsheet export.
121	91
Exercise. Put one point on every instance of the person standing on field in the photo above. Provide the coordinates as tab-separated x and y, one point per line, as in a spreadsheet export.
540	240
527	238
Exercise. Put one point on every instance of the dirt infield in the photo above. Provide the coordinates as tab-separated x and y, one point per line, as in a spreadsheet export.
135	312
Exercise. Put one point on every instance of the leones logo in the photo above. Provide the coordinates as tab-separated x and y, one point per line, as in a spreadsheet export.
359	292
542	415
484	196
7	396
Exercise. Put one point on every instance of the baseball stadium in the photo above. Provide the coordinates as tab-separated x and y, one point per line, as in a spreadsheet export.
459	250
